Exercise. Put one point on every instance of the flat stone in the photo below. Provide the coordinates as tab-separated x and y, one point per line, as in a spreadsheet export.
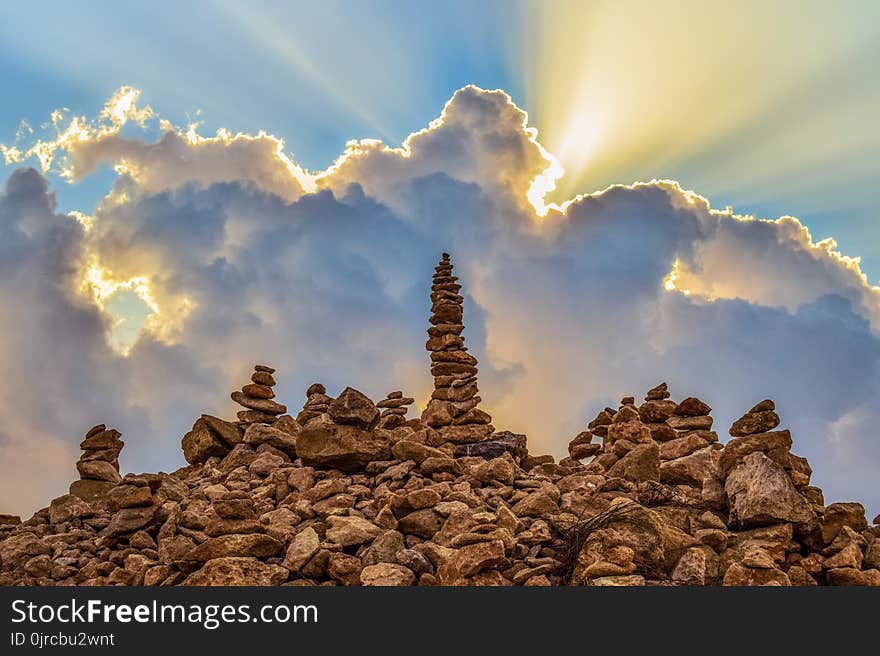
257	391
261	405
98	470
257	434
501	442
237	571
252	545
387	574
738	448
342	447
263	378
91	490
104	439
703	422
754	422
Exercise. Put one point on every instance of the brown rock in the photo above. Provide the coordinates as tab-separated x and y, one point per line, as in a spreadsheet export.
658	393
129	496
537	504
838	515
344	569
226	430
470	560
353	408
640	464
68	507
201	443
250	545
261	405
104	439
738	448
303	546
754	422
692	407
231	506
387	574
497	469
98	470
760	492
408	450
850	576
422	523
90	490
128	520
656	411
691	568
263	378
237	571
342	447
682	446
850	556
349	531
257	391
703	422
257	434
633	431
740	575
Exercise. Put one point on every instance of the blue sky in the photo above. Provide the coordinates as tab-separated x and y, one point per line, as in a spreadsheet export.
318	76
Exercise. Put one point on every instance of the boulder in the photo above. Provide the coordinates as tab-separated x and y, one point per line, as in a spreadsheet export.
257	434
237	571
340	446
387	574
353	408
759	492
202	443
68	507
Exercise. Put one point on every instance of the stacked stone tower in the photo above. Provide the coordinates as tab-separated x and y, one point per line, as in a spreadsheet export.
98	466
257	396
453	407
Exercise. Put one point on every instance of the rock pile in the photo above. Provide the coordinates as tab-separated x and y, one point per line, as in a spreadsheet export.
98	466
344	501
394	408
346	494
453	406
257	396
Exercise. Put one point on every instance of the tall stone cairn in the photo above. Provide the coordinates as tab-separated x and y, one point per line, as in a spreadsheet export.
452	409
257	396
98	465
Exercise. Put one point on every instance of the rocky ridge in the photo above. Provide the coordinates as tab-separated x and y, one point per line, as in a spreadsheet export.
352	492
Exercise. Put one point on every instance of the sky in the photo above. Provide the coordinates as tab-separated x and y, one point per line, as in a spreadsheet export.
191	187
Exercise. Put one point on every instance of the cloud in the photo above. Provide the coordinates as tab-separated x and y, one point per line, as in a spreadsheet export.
245	257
